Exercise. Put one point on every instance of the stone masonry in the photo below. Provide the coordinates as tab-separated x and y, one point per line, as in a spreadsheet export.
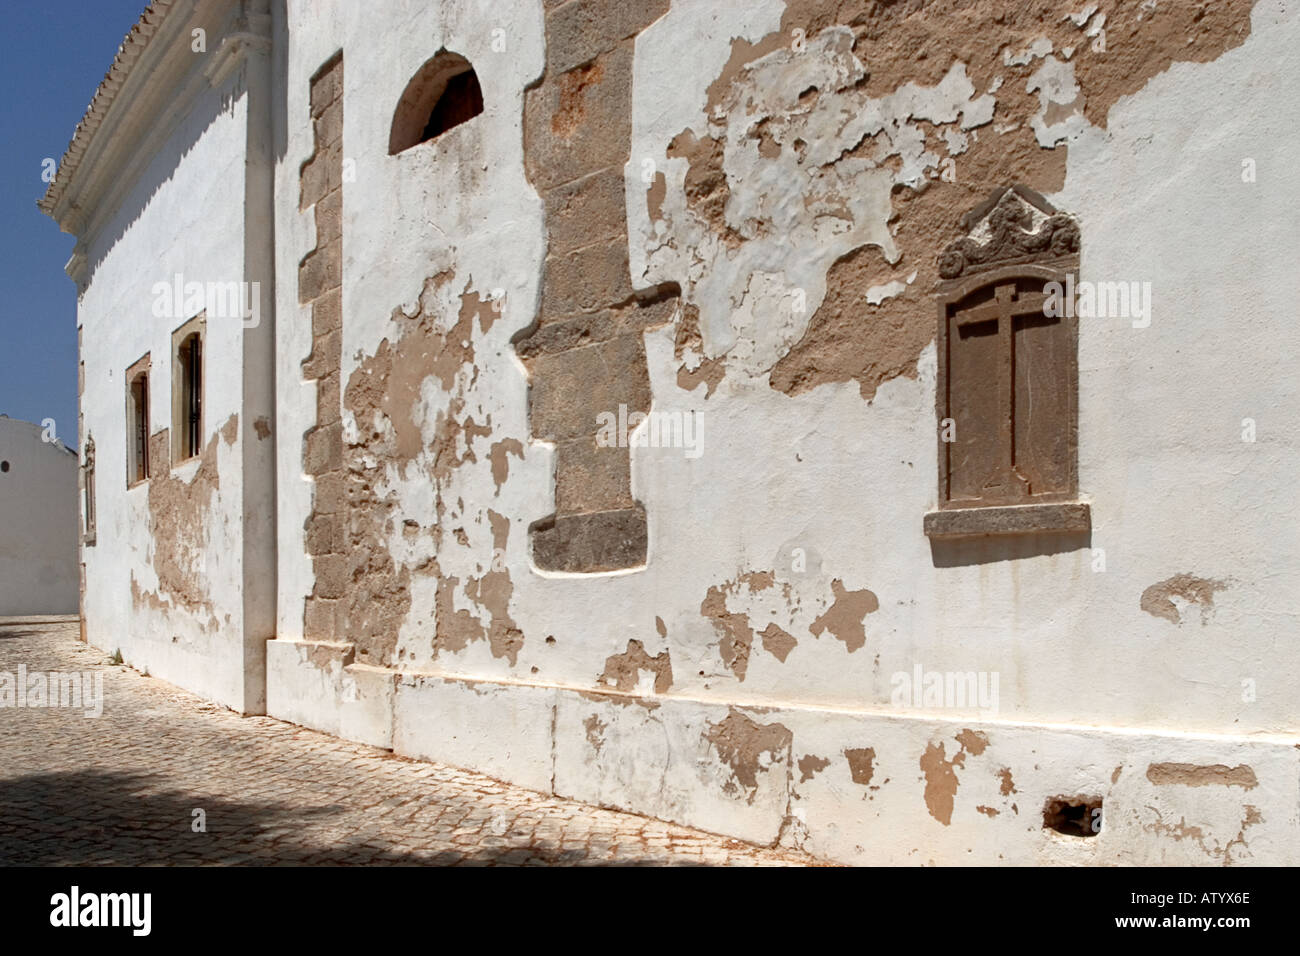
320	283
585	354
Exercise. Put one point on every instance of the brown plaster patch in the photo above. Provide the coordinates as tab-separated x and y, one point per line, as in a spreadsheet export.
736	635
940	781
1157	599
262	426
810	765
706	185
733	627
740	742
500	463
179	512
847	339
595	732
622	671
778	642
654	197
1008	786
1202	775
845	618
710	371
941	775
987	811
323	656
861	764
384	396
492	591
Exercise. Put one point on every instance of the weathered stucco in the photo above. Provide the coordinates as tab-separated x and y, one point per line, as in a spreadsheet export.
732	215
180	575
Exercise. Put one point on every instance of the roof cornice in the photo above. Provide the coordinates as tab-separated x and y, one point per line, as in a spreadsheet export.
151	91
132	50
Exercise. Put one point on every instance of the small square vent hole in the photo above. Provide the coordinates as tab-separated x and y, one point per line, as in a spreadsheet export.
1073	816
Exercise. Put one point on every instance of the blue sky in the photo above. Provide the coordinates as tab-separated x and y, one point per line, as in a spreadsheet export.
56	56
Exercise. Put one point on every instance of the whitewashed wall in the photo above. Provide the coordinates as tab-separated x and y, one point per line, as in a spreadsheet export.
184	215
1172	486
38	522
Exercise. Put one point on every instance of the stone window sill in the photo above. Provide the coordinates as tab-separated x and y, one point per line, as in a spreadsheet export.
1060	517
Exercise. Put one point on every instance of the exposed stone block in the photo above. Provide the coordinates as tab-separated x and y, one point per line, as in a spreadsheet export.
329	217
324	449
325	534
327	88
329	407
591	477
331	493
588	279
586	210
331	575
597	541
582	29
327	313
313	180
320	271
324	356
649	309
579	122
329	125
571	389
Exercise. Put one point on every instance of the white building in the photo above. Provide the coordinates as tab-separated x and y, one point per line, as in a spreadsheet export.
38	521
1016	585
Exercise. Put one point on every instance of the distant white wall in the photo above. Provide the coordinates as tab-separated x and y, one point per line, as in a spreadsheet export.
38	522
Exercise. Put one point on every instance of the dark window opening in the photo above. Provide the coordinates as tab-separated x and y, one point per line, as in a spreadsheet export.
139	470
191	423
4	466
444	93
462	100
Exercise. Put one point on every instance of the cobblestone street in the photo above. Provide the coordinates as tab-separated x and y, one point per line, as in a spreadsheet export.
123	789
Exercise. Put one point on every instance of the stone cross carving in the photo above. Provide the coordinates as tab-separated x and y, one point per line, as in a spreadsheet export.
1007	382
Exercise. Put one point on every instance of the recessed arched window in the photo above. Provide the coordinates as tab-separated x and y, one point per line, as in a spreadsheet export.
443	93
137	415
187	385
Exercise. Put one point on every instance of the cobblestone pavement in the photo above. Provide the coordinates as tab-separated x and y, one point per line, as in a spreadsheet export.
122	789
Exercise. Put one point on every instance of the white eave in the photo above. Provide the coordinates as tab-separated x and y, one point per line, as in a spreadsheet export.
128	54
147	90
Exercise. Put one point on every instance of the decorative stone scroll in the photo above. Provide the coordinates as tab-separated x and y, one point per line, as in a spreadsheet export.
1012	226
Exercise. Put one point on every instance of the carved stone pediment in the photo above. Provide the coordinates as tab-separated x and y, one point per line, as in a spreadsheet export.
1014	225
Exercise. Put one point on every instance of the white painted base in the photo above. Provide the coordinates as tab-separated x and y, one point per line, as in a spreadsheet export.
932	790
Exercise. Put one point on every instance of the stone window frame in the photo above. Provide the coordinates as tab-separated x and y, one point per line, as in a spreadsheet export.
88	535
138	465
1053	513
196	326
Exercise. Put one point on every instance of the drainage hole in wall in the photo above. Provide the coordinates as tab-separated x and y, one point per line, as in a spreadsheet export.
1073	816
